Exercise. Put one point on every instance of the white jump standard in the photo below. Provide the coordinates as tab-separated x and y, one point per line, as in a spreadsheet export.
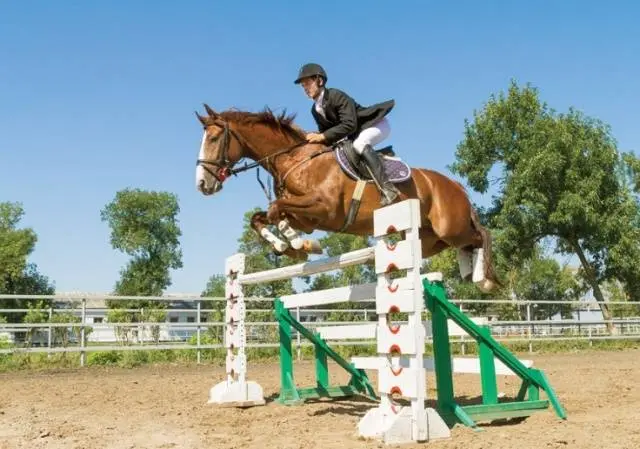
403	375
236	391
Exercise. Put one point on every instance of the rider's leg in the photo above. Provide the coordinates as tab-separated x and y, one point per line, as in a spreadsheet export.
363	145
372	135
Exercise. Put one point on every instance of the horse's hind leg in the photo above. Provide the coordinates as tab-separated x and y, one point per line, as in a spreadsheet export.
431	243
464	244
472	259
259	224
457	226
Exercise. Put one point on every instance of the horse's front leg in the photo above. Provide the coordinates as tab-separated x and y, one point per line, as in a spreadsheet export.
259	224
307	209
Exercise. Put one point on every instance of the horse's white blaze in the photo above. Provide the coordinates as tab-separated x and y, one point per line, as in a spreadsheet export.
199	170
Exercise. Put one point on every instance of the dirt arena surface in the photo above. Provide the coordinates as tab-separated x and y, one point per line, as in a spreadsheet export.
165	407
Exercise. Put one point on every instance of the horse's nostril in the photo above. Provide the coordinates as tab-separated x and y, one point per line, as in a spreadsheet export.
201	184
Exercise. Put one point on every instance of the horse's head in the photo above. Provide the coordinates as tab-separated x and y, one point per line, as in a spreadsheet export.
221	148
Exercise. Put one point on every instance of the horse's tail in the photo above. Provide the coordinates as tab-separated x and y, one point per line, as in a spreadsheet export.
489	271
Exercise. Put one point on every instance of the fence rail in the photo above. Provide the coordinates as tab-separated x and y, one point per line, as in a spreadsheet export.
190	324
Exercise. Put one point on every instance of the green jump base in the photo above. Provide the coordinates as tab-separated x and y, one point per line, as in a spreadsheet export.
533	380
471	415
290	394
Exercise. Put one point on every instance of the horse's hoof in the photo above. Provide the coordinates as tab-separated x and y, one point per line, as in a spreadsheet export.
312	246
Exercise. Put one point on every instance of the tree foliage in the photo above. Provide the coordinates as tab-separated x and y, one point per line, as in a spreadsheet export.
17	275
144	226
15	244
30	282
559	179
543	279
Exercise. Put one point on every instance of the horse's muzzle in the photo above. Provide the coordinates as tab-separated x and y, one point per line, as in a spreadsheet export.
209	189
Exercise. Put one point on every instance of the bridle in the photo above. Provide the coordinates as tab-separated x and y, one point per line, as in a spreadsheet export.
223	167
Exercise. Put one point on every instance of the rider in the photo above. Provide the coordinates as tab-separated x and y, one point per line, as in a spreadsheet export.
338	116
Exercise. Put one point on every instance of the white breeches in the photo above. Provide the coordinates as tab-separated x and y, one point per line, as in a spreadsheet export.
372	136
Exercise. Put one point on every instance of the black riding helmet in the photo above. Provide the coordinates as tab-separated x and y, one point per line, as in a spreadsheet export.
311	69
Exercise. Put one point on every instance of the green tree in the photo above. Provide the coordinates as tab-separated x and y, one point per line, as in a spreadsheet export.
215	287
30	282
558	180
144	225
17	276
15	244
629	171
617	293
62	335
543	279
623	266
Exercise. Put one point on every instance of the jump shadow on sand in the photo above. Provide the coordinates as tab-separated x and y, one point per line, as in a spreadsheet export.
352	406
358	406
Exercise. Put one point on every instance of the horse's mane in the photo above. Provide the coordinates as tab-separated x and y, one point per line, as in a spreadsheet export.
282	122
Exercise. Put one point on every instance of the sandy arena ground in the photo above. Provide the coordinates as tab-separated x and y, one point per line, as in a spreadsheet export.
165	407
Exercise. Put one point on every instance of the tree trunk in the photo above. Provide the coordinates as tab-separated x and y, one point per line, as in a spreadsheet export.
597	292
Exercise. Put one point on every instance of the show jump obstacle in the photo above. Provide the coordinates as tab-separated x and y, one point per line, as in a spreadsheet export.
400	363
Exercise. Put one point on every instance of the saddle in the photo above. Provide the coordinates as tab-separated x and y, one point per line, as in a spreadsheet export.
352	164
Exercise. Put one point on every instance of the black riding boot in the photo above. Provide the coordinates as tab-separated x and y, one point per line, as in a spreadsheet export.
388	190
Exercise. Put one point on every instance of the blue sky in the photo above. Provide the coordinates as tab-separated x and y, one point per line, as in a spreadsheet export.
99	96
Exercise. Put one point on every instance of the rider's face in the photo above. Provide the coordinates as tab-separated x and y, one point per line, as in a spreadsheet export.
311	87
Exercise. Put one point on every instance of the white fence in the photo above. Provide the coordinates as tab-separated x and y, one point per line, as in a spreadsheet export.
188	323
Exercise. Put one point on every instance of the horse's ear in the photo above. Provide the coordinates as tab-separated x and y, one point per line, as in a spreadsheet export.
201	118
210	111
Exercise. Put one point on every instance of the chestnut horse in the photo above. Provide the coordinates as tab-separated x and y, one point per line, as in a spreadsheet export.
313	192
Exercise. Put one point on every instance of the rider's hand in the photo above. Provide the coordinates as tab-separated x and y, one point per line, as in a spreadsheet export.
315	138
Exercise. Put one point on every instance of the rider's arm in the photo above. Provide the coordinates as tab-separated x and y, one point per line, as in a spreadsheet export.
346	109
